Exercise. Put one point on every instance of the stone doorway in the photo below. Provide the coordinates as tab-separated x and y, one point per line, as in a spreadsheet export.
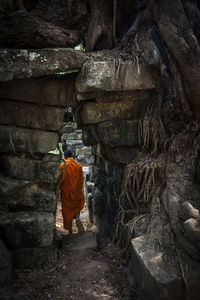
71	139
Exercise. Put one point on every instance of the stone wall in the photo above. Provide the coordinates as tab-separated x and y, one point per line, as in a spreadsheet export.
114	98
31	115
107	110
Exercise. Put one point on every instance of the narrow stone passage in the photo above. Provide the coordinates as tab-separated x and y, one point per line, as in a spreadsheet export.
84	269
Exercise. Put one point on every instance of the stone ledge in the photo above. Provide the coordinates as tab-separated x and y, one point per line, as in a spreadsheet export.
22	63
113	75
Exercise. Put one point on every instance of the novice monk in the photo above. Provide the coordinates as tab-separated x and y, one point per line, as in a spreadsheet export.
71	191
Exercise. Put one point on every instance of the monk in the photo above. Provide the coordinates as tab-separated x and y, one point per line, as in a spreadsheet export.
71	191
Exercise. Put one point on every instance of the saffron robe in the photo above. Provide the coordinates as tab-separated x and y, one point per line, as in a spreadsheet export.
71	190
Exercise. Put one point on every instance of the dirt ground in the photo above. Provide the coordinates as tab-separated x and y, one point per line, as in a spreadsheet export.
88	274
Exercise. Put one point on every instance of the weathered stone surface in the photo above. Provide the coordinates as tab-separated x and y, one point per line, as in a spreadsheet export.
72	136
16	139
39	171
60	90
33	257
98	112
89	135
118	133
16	63
131	95
31	115
68	128
52	90
51	157
108	181
152	270
19	195
5	264
27	229
72	143
113	75
123	155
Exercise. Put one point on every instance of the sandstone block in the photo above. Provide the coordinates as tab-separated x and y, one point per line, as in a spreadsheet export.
27	169
5	264
154	271
97	112
16	139
113	75
123	155
19	195
118	133
27	229
51	90
22	63
31	115
51	157
74	142
67	129
71	136
89	135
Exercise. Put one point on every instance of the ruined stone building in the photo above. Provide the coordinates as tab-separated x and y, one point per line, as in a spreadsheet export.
135	93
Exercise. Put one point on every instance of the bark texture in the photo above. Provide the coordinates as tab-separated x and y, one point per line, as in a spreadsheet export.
43	24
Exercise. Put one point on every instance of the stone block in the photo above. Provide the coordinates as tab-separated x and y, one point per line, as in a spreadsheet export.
52	90
23	63
33	257
31	115
84	150
154	271
118	133
27	169
16	139
113	75
27	229
51	157
97	112
19	195
89	135
60	91
123	155
71	136
68	128
74	142
5	264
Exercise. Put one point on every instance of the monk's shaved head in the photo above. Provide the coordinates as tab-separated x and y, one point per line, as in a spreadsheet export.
68	153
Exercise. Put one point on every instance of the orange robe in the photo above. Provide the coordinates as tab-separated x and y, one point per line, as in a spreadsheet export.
71	187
